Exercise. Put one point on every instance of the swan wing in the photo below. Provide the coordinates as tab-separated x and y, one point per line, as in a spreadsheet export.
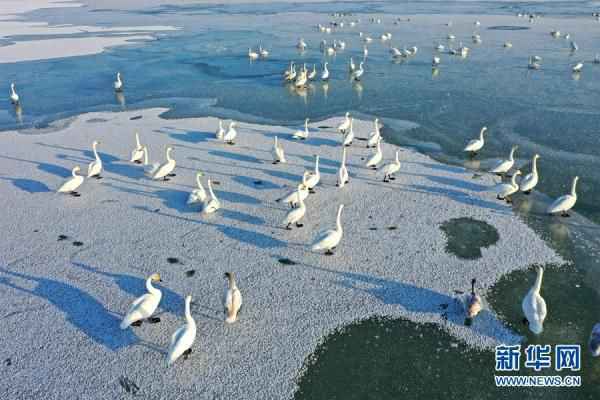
563	203
71	184
141	308
502	167
472	145
323	239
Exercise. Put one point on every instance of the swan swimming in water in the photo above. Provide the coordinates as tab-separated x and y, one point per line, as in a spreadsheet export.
14	97
231	134
302	134
252	54
197	195
95	167
144	306
278	152
375	158
476	144
232	300
264	53
325	74
165	170
533	64
213	204
390	169
578	67
343	177
349	136
301	44
118	84
506	190
356	75
351	66
184	337
71	185
436	61
564	203
530	180
505	165
295	214
534	305
313	74
330	239
345	125
137	154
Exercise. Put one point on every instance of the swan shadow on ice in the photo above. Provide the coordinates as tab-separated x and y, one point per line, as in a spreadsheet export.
186	136
252	182
458	196
27	185
52	169
81	310
234	156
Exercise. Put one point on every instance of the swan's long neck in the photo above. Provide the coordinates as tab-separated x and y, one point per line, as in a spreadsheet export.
169	159
326	68
481	134
276	143
538	280
534	167
397	158
511	156
188	312
74	172
210	190
574	188
145	155
352	125
199	182
338	221
12	89
513	180
344	157
232	284
306	125
151	289
379	146
300	200
137	141
317	165
95	151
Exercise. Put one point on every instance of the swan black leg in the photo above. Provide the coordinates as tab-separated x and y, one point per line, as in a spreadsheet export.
172	175
329	252
75	194
288	227
298	225
392	177
154	320
137	323
186	354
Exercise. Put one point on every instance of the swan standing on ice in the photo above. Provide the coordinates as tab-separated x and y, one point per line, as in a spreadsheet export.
231	134
330	239
197	195
14	97
594	343
374	136
293	198
325	73
345	125
232	300
213	204
473	304
476	144
505	165
313	177
295	214
506	190
252	54
375	158
137	154
530	180
390	169
165	170
118	84
220	131
71	185
278	153
349	136
343	176
95	167
534	305
144	306
564	203
183	338
302	134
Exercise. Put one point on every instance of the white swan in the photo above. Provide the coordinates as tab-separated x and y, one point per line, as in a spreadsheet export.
118	84
302	134
505	190
390	169
530	180
343	176
313	73
533	64
534	305
578	67
349	136
351	66
594	343
502	167
165	170
301	44
213	204
232	300
325	73
14	97
264	53
252	54
71	184
197	195
330	239
220	131
301	79
313	177
278	152
436	61
184	337
149	169
295	214
473	304
137	154
359	72
345	125
508	45
365	51
375	158
293	198
231	134
144	306
95	167
564	203
290	73
476	144
375	135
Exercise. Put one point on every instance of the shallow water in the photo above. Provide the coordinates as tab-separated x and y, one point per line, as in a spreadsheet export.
203	70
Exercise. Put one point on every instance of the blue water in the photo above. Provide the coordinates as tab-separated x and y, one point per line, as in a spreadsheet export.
203	69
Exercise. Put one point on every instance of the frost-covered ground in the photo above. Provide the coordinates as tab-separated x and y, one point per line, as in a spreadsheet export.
63	296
